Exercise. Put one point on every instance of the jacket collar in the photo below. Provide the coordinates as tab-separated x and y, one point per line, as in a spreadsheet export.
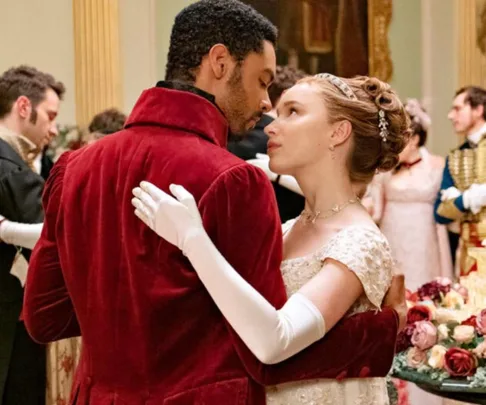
187	110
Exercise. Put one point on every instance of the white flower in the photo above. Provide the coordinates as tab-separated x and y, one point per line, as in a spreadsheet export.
443	332
437	354
464	333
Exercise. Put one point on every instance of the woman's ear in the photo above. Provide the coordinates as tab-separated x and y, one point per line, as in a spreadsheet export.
342	132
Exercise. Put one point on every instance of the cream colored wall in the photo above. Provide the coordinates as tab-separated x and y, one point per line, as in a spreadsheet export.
405	38
165	11
440	69
423	49
138	22
40	33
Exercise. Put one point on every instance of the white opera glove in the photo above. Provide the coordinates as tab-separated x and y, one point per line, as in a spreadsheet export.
262	161
175	221
18	234
272	335
449	194
474	198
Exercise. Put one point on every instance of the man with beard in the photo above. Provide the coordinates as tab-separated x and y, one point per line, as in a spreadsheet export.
290	204
29	103
151	333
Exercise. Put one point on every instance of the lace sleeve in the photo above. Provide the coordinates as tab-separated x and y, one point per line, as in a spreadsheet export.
366	252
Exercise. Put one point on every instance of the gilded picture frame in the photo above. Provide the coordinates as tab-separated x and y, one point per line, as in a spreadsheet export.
379	19
312	44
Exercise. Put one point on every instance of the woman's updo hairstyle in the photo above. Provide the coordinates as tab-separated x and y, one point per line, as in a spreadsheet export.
368	104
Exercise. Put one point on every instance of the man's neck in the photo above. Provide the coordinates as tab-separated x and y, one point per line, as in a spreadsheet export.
476	133
11	124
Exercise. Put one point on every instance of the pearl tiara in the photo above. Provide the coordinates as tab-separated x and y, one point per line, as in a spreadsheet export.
346	90
339	83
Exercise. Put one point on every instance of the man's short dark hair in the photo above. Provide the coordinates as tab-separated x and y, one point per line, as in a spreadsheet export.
475	96
108	122
206	23
285	78
26	81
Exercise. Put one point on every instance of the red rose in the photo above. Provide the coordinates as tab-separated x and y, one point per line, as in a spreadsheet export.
404	339
410	296
471	321
460	362
434	289
418	313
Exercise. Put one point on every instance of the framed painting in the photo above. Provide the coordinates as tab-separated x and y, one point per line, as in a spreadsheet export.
343	37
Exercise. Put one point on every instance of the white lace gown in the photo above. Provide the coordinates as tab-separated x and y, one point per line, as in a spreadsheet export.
366	252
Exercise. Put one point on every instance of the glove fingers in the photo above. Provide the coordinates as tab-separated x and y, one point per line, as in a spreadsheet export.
143	217
146	199
156	193
187	199
142	208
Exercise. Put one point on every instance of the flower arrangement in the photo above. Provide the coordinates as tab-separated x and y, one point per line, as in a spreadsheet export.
443	339
70	137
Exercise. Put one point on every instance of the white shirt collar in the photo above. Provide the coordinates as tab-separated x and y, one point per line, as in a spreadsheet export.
476	136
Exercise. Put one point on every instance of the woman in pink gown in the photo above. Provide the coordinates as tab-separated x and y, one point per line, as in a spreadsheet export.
403	206
402	203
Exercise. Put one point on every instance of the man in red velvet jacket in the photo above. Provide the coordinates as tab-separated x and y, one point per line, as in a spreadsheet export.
151	333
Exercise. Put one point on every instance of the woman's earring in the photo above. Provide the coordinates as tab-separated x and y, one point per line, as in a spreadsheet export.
331	148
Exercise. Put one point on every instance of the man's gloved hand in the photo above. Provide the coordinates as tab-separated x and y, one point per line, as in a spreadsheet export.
449	194
475	197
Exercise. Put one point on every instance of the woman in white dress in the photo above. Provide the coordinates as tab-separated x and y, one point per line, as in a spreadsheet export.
330	134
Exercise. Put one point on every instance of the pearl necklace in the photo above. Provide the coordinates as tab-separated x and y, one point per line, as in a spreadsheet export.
309	216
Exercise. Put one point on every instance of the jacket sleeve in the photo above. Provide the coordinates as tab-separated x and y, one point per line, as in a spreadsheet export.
21	193
48	311
448	211
240	215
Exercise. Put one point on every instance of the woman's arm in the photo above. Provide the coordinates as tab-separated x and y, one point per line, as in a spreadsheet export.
18	234
272	335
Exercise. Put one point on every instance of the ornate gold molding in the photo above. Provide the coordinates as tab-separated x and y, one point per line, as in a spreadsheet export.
379	18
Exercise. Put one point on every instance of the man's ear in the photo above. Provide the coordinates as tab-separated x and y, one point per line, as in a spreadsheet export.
220	61
24	107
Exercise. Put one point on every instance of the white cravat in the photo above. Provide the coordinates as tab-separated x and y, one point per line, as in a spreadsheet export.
476	136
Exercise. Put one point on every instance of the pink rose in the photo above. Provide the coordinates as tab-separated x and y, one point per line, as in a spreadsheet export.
416	357
480	350
424	335
461	290
460	362
481	322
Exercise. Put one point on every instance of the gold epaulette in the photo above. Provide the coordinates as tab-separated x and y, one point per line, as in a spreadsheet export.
462	167
481	161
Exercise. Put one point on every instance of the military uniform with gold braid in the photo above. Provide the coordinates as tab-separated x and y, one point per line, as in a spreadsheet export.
463	195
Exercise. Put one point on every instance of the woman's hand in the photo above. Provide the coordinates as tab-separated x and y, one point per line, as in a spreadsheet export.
175	220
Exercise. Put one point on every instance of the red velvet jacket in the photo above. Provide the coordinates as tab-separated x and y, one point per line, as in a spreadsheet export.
151	333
